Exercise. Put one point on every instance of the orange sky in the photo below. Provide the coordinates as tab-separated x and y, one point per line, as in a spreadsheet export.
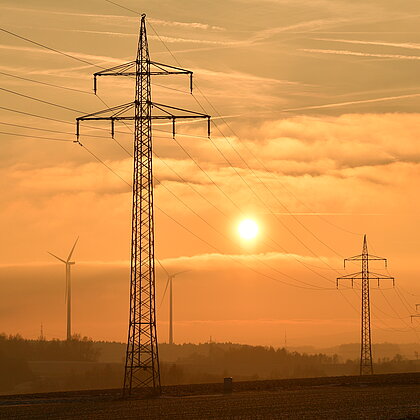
318	143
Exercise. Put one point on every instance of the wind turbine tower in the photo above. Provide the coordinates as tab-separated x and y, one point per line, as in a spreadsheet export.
171	318
68	263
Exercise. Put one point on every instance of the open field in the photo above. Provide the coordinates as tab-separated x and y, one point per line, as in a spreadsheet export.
394	396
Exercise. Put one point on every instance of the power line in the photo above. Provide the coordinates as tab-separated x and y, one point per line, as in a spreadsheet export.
56	120
311	287
247	184
184	150
45	83
103	163
35	137
44	129
40	100
205	221
83	60
308	230
50	48
123	7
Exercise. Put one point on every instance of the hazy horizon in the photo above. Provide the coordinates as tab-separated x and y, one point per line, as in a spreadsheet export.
320	105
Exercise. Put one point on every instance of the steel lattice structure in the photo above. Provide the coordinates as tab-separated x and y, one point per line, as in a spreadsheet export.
416	315
366	362
142	358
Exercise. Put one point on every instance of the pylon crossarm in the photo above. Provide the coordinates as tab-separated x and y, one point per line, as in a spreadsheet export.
116	114
172	70
129	69
160	106
367	257
120	70
379	277
352	277
163	67
114	111
355	258
167	109
375	258
414	316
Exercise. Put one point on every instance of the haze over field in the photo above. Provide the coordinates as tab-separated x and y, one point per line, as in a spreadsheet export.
319	145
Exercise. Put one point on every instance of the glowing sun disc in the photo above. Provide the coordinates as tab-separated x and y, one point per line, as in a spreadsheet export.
248	229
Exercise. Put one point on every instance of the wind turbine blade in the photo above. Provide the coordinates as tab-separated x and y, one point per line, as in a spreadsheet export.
71	252
66	294
180	272
164	293
162	267
58	258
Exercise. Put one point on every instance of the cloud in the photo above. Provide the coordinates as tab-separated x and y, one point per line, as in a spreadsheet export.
216	261
173	40
32	50
61	13
309	26
242	77
194	25
113	33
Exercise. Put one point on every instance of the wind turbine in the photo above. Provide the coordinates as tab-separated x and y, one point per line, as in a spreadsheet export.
68	286
169	283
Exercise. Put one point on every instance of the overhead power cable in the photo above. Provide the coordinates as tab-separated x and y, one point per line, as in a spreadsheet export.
49	131
213	228
91	63
50	48
258	197
311	287
56	120
41	100
275	197
35	137
46	83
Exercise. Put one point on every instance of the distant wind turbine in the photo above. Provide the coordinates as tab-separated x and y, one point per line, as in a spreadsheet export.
68	286
169	283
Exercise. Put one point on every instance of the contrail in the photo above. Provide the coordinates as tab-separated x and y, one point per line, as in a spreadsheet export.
328	214
362	101
362	54
386	44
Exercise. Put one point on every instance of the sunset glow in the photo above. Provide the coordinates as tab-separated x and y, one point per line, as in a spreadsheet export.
313	143
248	229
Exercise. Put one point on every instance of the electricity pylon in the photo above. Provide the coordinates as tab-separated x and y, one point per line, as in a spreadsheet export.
142	358
416	315
366	364
68	285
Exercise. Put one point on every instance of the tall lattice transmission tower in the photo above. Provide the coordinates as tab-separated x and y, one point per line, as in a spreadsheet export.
142	359
366	363
417	315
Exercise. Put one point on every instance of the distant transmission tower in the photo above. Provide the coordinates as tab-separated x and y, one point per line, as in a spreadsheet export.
142	360
416	315
366	364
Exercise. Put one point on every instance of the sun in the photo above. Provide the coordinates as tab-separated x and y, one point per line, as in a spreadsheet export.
248	229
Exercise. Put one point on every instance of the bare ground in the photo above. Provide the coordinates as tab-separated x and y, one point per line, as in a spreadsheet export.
393	397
